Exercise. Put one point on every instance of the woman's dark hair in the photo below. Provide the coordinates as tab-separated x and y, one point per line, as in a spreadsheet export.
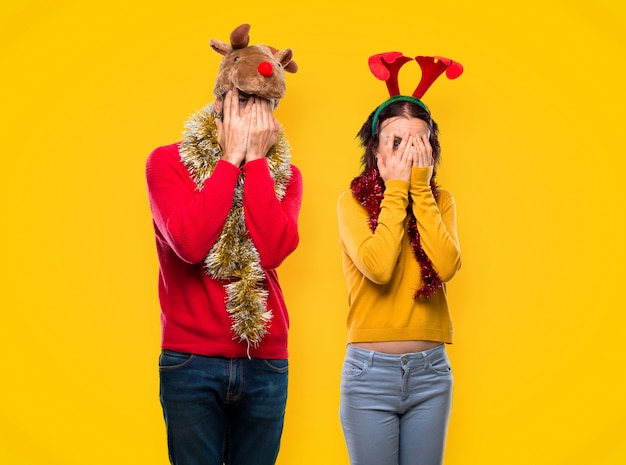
402	109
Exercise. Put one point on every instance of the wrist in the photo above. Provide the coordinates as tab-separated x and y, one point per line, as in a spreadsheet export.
396	185
234	158
421	175
252	157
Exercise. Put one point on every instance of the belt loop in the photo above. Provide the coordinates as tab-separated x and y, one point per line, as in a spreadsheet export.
371	359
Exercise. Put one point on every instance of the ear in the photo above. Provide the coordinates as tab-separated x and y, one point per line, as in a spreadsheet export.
220	47
284	57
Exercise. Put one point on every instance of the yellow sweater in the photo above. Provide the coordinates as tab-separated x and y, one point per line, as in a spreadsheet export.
381	271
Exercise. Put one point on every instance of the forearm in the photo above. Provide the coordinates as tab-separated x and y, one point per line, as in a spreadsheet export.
375	253
436	224
188	219
272	223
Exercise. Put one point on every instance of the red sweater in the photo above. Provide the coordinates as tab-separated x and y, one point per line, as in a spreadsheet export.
188	221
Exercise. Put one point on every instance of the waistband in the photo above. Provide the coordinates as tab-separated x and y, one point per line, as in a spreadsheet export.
395	359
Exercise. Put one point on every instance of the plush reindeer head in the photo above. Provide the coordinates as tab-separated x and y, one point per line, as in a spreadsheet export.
255	69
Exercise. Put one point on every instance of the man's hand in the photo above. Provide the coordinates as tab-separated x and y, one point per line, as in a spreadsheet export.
233	129
263	129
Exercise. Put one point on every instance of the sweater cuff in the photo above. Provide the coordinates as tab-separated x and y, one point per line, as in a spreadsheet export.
396	186
228	168
421	176
256	166
396	194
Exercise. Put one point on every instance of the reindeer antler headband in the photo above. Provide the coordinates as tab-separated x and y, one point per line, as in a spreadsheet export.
385	66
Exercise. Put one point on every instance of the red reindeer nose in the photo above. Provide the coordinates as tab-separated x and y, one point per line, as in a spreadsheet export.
265	69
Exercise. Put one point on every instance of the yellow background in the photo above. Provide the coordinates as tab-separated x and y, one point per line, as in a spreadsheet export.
533	149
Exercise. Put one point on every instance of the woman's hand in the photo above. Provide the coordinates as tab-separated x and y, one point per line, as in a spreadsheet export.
396	157
423	154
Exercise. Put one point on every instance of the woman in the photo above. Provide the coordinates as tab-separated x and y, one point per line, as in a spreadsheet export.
399	246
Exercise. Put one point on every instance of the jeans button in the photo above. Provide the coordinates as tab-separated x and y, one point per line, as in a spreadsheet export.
405	360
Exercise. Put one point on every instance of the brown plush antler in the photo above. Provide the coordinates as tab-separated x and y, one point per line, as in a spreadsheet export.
240	37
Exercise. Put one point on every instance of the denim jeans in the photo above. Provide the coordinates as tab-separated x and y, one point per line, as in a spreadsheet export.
394	409
220	410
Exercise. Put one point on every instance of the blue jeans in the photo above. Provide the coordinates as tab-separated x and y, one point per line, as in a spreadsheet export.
220	410
394	409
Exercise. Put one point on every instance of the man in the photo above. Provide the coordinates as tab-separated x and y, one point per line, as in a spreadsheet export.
225	203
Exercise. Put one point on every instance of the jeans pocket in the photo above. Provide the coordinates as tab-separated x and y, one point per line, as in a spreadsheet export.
352	369
277	365
172	360
441	366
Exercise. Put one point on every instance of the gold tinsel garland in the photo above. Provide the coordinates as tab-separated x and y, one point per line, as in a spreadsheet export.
234	257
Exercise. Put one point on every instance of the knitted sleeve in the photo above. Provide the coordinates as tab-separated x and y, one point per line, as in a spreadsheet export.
189	220
436	223
374	254
272	224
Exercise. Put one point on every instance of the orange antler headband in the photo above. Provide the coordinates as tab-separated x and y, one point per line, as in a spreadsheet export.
386	66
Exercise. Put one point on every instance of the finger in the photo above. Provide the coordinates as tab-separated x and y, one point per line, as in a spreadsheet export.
424	158
419	144
272	122
425	143
420	157
405	140
264	114
416	157
249	106
406	146
252	141
417	149
380	161
219	129
234	104
414	154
